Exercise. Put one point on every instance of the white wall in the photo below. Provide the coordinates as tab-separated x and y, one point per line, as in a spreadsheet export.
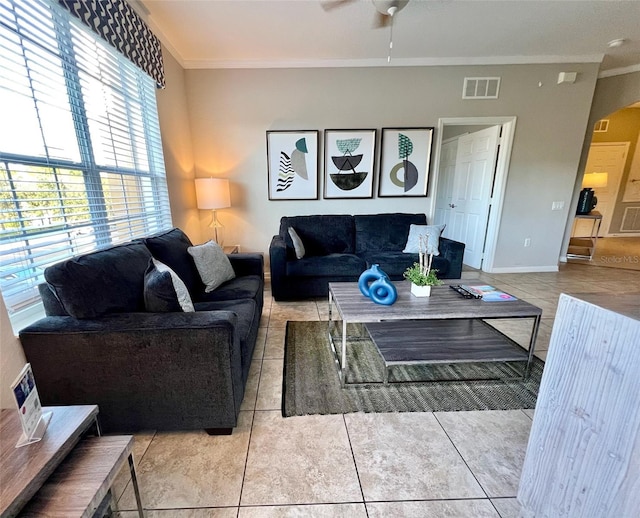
230	111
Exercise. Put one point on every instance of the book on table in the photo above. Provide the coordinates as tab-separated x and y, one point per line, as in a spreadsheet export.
488	293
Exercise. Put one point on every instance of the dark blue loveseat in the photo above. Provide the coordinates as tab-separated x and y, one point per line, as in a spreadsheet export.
146	370
338	248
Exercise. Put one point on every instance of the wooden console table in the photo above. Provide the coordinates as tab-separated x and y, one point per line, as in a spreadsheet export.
63	474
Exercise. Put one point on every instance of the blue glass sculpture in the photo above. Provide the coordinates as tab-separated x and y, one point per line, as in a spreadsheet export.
375	284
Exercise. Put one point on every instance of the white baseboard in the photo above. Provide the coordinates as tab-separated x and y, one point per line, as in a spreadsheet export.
524	269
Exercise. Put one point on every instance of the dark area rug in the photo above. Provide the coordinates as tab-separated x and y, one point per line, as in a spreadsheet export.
311	384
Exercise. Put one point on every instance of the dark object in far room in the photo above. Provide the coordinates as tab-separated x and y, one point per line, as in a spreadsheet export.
587	201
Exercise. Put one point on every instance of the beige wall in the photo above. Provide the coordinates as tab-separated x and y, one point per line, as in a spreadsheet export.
230	111
177	148
11	358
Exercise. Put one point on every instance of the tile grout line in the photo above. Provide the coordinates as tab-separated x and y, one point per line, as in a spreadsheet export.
462	457
355	464
253	415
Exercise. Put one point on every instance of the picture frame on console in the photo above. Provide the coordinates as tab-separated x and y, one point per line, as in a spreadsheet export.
349	163
292	164
405	162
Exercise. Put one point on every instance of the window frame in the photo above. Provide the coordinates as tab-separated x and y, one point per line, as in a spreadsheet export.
149	184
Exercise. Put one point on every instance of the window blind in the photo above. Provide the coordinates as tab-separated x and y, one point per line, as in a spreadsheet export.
81	164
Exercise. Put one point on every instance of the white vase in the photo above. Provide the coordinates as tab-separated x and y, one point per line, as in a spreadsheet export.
420	291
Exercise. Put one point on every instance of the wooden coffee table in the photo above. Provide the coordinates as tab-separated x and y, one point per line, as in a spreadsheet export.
442	328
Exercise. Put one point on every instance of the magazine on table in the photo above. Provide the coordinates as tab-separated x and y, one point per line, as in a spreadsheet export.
488	293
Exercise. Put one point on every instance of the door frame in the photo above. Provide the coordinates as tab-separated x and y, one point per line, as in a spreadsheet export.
500	180
614	198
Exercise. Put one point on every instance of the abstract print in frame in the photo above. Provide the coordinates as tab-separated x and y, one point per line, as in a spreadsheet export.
405	161
349	160
292	159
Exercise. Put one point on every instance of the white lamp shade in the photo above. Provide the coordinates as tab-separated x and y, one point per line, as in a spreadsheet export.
212	193
595	180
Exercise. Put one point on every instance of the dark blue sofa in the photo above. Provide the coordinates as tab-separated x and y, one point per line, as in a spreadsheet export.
158	371
340	247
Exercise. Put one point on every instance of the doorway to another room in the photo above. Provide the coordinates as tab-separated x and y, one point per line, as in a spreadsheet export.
472	163
612	171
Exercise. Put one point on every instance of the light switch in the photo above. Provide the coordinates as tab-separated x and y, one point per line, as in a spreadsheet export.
557	205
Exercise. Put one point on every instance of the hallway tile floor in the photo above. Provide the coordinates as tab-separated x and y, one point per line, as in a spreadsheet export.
443	464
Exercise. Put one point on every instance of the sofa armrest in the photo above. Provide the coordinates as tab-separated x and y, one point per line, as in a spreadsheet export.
277	264
453	251
247	264
164	371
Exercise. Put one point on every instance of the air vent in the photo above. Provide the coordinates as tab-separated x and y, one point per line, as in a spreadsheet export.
481	88
602	126
631	220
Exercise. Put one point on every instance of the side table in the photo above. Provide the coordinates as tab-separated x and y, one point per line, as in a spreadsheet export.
25	469
63	474
583	247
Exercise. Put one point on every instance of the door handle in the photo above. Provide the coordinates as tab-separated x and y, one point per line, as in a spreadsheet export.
452	206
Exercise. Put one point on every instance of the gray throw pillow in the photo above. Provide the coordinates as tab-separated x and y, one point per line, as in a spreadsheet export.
164	291
297	243
415	231
213	265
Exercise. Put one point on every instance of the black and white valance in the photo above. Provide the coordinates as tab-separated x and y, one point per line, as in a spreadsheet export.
118	24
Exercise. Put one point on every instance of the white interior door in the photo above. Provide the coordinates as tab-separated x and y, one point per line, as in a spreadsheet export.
607	158
446	175
471	196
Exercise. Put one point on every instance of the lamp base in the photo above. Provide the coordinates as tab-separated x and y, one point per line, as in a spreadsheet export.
218	228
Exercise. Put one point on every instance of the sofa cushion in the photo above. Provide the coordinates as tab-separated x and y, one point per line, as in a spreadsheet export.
321	235
328	266
170	248
395	263
164	291
245	287
248	317
107	281
416	232
384	232
212	263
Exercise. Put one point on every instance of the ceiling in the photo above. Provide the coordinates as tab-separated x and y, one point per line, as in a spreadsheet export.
298	33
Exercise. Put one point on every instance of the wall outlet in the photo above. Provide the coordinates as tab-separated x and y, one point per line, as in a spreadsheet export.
527	241
557	205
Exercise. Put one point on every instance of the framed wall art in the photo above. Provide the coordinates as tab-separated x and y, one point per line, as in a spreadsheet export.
405	161
349	160
292	163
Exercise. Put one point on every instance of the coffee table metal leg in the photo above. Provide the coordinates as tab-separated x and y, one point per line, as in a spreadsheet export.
343	364
136	490
532	345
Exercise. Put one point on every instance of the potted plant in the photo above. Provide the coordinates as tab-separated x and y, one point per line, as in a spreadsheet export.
421	275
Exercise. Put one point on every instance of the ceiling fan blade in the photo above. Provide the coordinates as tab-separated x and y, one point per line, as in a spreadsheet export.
330	5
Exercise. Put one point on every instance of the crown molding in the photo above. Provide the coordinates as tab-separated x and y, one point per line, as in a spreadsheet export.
619	71
395	62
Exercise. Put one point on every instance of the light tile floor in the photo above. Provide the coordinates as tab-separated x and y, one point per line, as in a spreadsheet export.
443	464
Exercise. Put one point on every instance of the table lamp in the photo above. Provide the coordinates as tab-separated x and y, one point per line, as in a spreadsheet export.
595	180
213	194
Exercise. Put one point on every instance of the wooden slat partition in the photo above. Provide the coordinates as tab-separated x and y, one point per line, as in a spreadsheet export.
583	456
